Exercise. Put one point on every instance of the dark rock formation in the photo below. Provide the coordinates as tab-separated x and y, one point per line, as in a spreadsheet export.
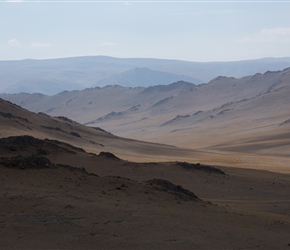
108	155
200	167
176	189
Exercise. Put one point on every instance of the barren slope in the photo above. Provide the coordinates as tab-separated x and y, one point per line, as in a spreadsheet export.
229	121
15	120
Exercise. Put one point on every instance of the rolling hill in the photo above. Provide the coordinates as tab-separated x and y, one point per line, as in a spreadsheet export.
246	115
16	121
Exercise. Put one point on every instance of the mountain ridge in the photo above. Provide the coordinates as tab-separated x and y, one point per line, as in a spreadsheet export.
78	73
144	77
181	113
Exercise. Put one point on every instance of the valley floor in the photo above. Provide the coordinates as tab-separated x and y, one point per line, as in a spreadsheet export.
54	196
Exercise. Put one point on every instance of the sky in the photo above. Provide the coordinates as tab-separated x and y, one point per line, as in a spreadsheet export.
199	31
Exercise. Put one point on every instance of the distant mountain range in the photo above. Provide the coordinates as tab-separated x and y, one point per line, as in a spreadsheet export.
52	76
144	77
227	112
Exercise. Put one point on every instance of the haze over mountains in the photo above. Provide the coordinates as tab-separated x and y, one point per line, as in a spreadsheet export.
246	115
144	77
56	75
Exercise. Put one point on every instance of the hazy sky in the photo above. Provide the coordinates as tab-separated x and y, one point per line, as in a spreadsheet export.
186	30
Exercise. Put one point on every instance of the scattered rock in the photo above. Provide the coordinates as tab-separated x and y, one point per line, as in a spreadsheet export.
75	134
10	116
42	152
177	118
177	189
65	119
6	115
76	169
35	161
200	167
100	129
109	155
285	122
26	143
21	141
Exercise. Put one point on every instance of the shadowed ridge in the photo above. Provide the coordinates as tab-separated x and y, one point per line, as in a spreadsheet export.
34	161
176	189
109	155
182	85
26	142
200	167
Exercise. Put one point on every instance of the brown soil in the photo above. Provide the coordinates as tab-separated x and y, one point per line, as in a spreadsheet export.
55	196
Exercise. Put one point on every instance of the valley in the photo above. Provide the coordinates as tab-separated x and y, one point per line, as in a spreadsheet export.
228	121
170	166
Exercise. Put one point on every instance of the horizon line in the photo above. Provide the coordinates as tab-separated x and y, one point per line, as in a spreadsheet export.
146	58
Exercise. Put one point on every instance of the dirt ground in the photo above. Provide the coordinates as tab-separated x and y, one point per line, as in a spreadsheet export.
54	196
